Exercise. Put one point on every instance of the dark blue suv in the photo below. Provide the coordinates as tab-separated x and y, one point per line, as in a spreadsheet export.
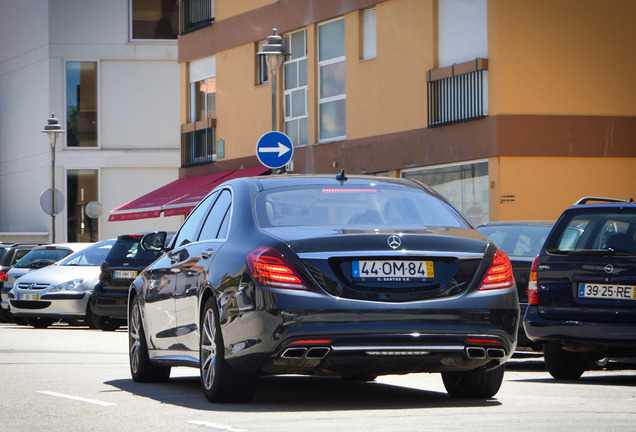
582	291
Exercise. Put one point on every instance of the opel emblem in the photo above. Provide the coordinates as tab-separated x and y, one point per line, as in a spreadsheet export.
394	242
609	268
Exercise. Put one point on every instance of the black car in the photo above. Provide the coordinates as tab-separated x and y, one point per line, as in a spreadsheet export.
521	241
9	255
324	275
124	262
582	291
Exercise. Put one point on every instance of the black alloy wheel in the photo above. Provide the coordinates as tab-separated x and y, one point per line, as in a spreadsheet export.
219	381
141	369
477	384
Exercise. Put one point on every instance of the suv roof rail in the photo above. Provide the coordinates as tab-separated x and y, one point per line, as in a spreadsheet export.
585	200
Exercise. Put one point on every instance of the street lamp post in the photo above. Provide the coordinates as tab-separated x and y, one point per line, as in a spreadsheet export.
274	51
52	129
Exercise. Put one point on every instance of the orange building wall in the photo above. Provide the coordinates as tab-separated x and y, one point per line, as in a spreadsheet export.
574	57
541	188
388	94
226	8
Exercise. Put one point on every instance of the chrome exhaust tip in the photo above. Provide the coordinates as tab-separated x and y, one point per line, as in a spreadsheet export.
317	352
294	353
495	353
476	352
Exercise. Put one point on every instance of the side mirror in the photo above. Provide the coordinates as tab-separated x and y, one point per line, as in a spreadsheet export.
154	242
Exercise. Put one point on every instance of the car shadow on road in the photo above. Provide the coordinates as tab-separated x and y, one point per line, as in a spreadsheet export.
301	393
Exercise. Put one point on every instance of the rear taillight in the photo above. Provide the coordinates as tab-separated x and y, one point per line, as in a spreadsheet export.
270	268
499	275
533	292
3	275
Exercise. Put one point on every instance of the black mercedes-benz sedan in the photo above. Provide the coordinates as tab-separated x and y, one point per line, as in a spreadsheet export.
352	277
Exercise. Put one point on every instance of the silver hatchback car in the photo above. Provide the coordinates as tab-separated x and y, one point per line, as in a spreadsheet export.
60	292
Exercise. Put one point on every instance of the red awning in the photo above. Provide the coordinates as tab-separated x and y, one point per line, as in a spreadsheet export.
177	197
185	204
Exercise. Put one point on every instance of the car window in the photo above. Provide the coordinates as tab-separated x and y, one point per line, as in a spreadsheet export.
42	257
17	256
91	256
127	250
517	241
379	206
213	222
596	231
189	231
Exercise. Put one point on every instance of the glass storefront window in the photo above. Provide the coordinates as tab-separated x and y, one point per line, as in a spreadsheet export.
465	185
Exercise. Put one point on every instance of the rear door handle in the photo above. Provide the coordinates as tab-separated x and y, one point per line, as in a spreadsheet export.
207	253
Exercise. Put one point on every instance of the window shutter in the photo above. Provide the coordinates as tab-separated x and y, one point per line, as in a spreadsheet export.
462	31
369	46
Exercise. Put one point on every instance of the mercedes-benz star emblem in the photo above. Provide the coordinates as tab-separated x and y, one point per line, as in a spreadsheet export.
394	242
609	268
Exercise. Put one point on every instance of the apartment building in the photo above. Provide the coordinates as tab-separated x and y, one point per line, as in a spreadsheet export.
108	70
512	109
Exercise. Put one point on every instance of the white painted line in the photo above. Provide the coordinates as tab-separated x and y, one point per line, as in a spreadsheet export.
216	426
77	398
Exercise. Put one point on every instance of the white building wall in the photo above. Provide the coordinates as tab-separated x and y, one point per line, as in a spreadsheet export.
138	111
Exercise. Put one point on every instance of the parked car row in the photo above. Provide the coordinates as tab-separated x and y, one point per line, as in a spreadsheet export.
74	282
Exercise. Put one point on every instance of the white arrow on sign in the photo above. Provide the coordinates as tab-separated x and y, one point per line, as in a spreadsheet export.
281	149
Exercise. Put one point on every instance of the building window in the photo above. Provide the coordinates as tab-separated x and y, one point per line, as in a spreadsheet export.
196	14
462	32
81	188
331	81
369	45
81	103
203	89
154	19
295	89
465	185
262	70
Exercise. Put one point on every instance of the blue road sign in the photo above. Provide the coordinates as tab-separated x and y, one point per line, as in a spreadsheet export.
274	150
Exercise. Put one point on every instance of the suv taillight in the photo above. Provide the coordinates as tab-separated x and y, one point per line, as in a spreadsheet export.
3	275
499	275
270	268
533	292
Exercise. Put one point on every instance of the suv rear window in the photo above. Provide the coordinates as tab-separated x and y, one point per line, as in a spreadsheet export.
127	250
594	231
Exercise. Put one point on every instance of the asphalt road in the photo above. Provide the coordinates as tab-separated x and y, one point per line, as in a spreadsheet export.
75	379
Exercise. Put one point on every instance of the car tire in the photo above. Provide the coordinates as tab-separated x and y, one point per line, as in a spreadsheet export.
105	323
561	364
477	384
141	369
219	381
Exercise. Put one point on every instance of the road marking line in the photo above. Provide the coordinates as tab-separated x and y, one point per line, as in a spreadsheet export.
216	426
93	401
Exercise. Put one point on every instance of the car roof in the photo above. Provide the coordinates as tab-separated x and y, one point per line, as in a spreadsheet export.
74	246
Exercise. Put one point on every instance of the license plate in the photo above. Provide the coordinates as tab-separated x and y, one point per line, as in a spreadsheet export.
125	274
28	296
608	292
392	271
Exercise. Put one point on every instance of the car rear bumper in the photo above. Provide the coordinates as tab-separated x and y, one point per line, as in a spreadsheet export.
593	336
110	304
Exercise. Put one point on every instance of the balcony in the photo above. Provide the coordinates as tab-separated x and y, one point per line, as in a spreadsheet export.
195	14
198	143
458	93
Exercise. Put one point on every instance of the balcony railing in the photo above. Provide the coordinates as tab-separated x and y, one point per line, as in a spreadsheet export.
195	14
198	147
457	93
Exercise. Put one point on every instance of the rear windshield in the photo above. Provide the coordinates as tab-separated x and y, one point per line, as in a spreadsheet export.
517	240
366	206
579	232
127	251
40	257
